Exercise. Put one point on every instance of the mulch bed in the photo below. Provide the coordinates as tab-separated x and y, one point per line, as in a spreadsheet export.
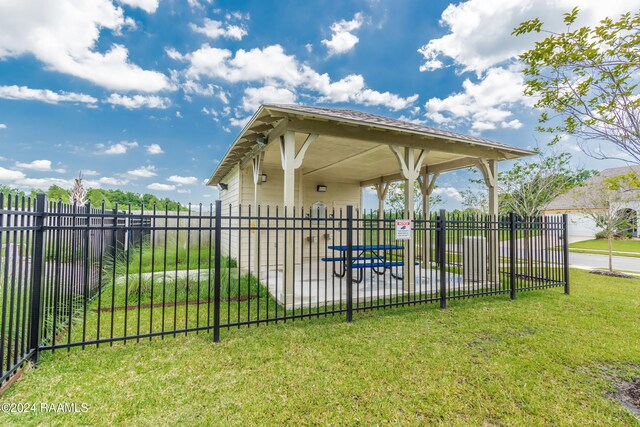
172	304
613	274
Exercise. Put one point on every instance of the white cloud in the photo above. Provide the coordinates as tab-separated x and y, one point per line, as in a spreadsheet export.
216	29
254	97
149	6
270	63
353	89
479	40
45	95
237	122
36	165
42	183
192	87
449	192
342	37
155	148
8	175
184	191
120	148
39	165
138	101
182	180
484	105
274	68
3	126
143	172
161	187
108	180
89	172
64	34
479	32
173	54
196	4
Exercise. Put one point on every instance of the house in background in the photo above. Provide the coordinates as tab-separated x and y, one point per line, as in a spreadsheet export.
581	227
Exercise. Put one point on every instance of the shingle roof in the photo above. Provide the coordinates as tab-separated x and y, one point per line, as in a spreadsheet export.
368	118
571	200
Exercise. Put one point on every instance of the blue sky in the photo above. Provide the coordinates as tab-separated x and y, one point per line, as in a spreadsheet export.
147	95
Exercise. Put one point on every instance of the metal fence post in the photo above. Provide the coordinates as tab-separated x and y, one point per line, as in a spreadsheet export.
442	241
37	271
565	250
349	262
217	272
512	253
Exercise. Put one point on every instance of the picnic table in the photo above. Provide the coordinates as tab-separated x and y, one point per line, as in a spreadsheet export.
374	257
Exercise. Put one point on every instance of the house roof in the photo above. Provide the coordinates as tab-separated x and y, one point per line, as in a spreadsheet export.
571	200
268	116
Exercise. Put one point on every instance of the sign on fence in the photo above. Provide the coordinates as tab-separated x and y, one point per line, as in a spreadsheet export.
403	229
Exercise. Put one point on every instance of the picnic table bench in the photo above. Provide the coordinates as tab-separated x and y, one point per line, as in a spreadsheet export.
367	256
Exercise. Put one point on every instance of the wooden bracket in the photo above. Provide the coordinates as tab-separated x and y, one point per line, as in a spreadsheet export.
305	146
287	141
257	168
426	184
487	172
381	189
410	167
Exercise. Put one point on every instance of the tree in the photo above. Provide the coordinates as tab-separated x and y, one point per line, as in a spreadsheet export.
78	195
529	186
605	203
395	197
8	191
589	77
55	193
96	196
475	198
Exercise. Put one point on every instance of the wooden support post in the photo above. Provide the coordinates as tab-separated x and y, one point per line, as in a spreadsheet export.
257	200
410	168
489	169
426	188
287	153
381	190
290	162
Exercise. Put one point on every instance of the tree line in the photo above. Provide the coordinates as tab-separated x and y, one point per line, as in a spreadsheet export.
96	196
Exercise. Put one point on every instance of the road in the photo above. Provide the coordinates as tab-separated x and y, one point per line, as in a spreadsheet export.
589	261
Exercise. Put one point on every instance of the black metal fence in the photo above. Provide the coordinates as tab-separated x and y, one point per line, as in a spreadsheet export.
76	276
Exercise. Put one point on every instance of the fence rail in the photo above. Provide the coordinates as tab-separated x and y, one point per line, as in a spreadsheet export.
79	275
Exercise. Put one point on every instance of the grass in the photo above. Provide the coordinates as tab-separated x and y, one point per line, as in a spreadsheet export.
176	256
179	289
606	253
135	282
539	360
603	245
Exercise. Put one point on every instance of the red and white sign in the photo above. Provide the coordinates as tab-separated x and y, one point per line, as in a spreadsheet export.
403	229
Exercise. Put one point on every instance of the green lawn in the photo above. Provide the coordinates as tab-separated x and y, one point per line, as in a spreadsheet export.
601	246
542	359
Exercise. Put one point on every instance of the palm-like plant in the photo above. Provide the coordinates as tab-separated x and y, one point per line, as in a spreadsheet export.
78	194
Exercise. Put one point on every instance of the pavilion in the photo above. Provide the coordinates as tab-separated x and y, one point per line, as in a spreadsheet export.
294	155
